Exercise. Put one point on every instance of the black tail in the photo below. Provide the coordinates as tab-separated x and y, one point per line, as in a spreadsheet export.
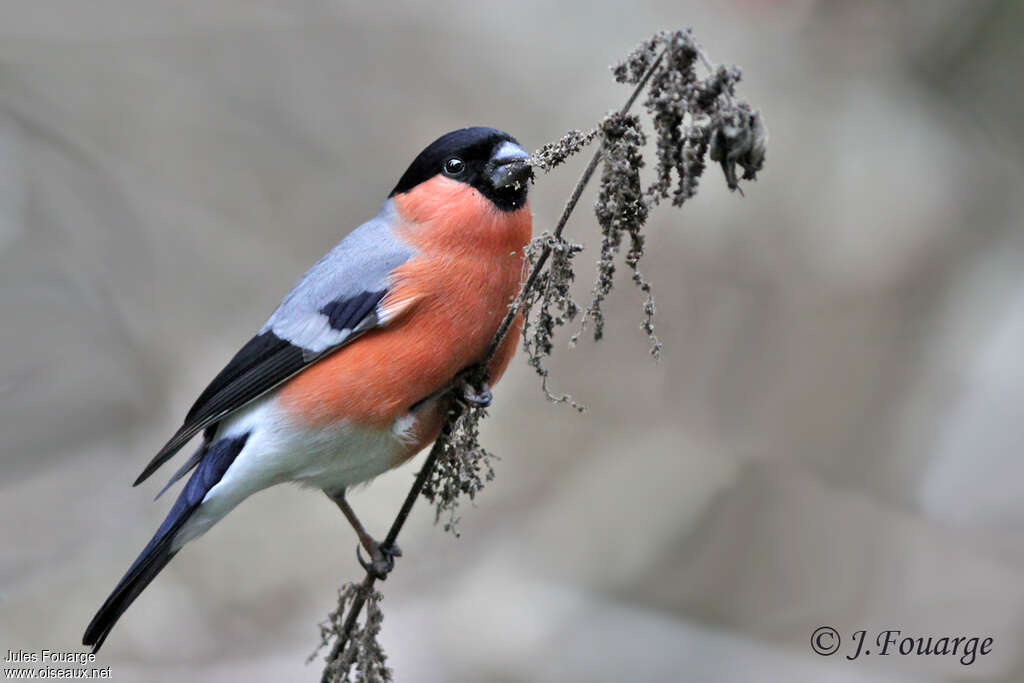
152	560
159	552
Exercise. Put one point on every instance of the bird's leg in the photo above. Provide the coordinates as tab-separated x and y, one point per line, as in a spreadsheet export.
472	388
382	555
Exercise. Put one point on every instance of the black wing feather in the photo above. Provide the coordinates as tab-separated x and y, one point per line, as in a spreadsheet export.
262	364
262	354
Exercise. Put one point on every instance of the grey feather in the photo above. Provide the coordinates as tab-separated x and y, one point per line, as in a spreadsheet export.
362	262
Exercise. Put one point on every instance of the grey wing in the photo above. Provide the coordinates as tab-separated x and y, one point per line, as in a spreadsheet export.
313	315
333	303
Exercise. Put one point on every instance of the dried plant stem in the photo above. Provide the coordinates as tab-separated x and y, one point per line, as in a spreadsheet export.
396	527
570	206
456	410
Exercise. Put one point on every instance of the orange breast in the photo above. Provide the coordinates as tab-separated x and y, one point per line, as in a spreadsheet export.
467	270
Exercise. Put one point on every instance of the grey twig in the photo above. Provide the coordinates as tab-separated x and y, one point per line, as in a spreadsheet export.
330	671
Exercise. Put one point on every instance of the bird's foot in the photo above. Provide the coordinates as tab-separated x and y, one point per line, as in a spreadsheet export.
382	558
474	391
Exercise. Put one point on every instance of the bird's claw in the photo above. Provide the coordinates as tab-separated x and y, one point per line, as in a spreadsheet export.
382	559
477	395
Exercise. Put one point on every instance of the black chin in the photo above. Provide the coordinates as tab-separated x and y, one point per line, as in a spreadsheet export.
506	185
509	198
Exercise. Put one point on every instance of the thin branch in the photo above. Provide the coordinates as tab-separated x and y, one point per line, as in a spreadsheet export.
396	527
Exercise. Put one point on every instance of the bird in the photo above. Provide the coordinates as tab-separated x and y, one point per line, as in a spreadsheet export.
352	374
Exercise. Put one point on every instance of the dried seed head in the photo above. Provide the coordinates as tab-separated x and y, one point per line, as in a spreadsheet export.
738	138
552	154
549	305
462	469
631	70
362	660
671	103
621	210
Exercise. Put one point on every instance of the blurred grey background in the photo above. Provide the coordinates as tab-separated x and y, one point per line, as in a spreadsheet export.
832	437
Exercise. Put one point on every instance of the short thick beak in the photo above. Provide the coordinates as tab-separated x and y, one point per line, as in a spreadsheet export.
508	167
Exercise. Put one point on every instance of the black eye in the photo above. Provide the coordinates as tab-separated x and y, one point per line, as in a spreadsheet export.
454	166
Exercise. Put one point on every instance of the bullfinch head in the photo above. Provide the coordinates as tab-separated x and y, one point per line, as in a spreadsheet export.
487	160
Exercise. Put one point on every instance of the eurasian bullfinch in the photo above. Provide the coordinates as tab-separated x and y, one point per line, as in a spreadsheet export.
350	375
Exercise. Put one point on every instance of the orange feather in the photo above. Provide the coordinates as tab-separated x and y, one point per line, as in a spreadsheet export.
447	303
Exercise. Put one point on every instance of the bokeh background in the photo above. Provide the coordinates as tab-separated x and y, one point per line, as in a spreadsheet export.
832	437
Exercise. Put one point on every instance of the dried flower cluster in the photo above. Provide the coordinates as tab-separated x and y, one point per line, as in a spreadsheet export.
461	470
637	63
672	102
553	154
549	305
693	118
738	138
362	659
621	211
